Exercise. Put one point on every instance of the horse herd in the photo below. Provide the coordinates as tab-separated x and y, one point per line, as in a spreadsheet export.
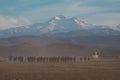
32	59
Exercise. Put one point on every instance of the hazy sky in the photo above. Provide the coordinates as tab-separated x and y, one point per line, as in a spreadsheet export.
20	12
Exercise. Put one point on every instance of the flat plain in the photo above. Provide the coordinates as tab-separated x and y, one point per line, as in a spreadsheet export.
102	69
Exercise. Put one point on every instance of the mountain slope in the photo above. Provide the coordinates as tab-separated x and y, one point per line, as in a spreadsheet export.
48	50
53	46
35	40
64	49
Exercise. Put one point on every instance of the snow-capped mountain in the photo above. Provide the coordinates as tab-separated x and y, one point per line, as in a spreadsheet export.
60	24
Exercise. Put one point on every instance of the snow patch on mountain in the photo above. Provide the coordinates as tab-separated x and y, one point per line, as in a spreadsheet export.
57	18
81	23
51	26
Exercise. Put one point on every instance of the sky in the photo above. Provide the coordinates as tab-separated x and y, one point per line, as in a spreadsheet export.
25	12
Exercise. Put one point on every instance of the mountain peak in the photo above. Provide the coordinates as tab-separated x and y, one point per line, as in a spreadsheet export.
80	22
59	17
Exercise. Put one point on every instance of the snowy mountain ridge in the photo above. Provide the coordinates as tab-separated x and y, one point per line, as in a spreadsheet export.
60	24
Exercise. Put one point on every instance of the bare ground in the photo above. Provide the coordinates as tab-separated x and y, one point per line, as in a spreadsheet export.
92	70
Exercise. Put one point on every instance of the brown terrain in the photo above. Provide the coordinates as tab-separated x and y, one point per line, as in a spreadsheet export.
107	67
51	46
100	69
63	49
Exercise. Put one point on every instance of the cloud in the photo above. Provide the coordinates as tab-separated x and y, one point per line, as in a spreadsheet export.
41	10
104	19
67	9
9	22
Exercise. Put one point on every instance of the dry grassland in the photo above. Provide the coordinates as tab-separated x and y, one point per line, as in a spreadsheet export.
92	70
